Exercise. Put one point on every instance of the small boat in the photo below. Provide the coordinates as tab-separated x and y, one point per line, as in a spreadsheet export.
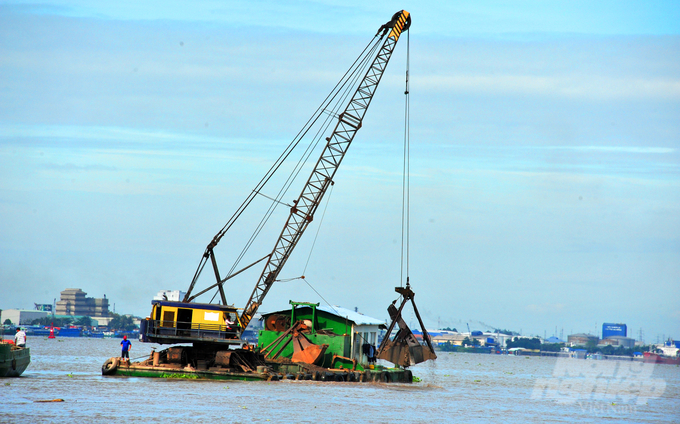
13	359
650	357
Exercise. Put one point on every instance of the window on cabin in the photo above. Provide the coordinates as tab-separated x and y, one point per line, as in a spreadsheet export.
356	350
184	318
168	319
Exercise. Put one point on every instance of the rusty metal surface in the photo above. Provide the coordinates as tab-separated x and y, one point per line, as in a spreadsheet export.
405	349
303	349
312	354
177	355
223	358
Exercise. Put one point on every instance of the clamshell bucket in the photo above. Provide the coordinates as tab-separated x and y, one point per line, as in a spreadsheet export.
405	350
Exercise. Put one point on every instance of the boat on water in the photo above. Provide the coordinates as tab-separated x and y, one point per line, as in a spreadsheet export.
13	359
322	344
305	342
655	358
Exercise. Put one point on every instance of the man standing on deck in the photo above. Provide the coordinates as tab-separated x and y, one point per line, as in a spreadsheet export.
127	345
20	338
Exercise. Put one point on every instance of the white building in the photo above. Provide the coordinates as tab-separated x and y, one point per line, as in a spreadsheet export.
171	295
22	316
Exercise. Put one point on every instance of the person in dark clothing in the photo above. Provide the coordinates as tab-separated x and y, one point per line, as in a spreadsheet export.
126	345
369	351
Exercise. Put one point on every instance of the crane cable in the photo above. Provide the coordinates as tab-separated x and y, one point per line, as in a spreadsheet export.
340	87
340	94
406	190
330	107
405	226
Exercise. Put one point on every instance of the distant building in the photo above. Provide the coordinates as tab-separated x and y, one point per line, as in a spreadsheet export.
22	316
579	353
46	307
74	302
171	295
581	339
456	339
499	339
609	329
618	341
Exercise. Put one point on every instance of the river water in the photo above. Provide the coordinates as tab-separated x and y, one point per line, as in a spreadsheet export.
457	387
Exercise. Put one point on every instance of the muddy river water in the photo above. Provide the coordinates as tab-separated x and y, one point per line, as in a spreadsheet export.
458	387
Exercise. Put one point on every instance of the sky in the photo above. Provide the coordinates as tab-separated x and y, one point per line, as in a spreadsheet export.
544	156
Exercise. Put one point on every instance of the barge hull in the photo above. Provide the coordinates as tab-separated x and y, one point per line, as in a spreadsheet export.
13	360
274	371
139	371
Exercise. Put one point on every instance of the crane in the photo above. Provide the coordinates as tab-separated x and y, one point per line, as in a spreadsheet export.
206	321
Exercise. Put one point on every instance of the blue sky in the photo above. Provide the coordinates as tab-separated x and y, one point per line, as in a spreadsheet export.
544	155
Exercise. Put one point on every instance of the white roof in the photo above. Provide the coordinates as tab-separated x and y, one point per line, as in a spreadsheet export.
356	317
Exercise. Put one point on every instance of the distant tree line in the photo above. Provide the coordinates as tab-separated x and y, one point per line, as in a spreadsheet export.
524	343
470	342
62	322
506	332
450	347
121	323
118	322
592	347
535	344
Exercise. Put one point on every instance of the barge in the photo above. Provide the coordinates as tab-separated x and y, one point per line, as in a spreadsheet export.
323	344
13	359
306	342
269	371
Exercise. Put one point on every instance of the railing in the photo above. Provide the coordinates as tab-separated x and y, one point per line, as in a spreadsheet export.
188	330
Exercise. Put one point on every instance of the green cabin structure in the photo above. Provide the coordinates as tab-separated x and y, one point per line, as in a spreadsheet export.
344	331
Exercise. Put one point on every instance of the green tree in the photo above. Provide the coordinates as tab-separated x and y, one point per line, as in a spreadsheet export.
57	322
552	347
85	321
470	342
524	343
8	322
121	323
448	347
591	346
608	350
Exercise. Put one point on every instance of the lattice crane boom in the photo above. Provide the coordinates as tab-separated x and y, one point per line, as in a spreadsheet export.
303	209
349	122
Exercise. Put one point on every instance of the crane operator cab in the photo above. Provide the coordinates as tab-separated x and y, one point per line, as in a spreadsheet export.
182	322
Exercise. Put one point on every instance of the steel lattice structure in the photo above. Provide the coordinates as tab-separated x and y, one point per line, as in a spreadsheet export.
339	141
304	208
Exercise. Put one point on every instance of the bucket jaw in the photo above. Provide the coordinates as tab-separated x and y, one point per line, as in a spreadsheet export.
404	349
306	351
303	349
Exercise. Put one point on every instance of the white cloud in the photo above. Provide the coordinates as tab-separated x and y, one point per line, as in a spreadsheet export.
588	87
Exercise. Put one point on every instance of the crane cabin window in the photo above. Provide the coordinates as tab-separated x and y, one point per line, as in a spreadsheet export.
168	319
184	318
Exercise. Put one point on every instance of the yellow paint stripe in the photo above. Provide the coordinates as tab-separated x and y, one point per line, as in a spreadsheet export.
398	27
